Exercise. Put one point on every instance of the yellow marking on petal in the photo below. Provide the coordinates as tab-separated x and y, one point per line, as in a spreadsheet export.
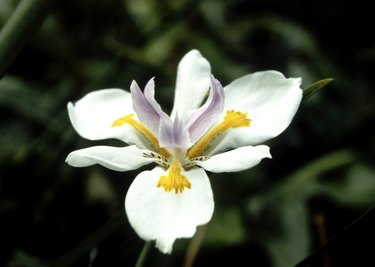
142	129
233	119
174	180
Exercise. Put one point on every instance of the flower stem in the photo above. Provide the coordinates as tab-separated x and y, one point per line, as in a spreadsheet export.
194	246
143	255
25	20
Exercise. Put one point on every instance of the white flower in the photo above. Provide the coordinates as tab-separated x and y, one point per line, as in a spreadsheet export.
222	135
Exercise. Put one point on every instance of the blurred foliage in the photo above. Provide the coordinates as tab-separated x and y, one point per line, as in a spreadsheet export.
322	174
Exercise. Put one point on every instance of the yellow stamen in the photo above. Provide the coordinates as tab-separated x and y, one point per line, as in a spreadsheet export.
174	180
233	119
146	133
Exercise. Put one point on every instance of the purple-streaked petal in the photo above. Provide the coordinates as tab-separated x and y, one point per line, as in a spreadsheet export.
173	134
149	93
165	134
208	114
181	136
147	113
192	84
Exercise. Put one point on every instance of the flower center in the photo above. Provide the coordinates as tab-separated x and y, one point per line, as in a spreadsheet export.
233	119
144	131
177	160
174	180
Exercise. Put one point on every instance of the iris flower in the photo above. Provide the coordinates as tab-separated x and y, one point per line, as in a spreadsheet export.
210	128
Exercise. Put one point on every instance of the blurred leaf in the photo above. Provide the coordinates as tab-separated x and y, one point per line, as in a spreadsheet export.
357	187
301	181
108	228
14	142
293	241
225	228
214	12
6	9
144	12
27	100
98	188
24	259
23	23
312	89
282	224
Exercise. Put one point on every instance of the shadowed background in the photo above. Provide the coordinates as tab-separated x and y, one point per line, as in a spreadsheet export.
321	177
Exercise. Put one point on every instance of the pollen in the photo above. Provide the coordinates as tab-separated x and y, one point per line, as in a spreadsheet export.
174	180
233	119
144	131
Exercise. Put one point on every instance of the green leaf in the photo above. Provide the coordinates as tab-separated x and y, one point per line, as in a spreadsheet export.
281	214
23	258
315	87
25	20
292	242
226	228
356	188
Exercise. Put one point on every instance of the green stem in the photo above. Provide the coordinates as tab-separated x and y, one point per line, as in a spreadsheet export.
25	20
143	255
194	246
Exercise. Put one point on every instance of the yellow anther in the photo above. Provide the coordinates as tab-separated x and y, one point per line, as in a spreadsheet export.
174	180
233	119
142	129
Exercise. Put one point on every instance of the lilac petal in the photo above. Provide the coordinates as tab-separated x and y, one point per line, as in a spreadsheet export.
147	113
181	135
173	134
207	115
149	93
165	133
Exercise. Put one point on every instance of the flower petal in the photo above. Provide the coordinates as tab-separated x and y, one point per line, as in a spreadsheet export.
149	93
144	104
165	216
209	113
271	101
114	158
173	134
236	160
145	112
93	115
192	84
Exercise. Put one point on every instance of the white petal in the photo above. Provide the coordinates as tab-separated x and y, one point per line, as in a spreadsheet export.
165	216
192	84
236	160
271	102
93	115
114	158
